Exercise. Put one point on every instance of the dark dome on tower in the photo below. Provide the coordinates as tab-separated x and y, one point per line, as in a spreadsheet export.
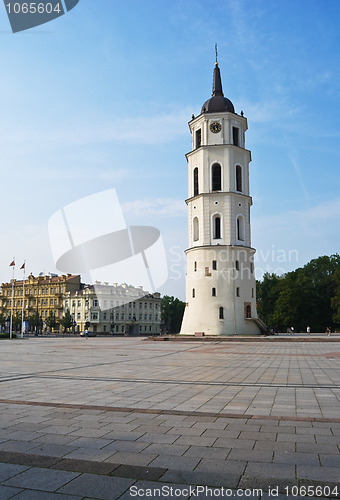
217	102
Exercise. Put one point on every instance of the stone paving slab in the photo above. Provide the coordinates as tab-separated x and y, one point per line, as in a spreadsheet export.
91	423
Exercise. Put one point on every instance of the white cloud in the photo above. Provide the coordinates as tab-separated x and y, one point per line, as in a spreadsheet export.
144	129
159	207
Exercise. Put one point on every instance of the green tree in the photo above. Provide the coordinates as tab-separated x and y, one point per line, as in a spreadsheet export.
16	322
67	320
301	297
335	302
172	313
3	320
34	321
51	321
267	293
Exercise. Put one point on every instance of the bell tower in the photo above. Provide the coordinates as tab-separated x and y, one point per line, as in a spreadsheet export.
220	282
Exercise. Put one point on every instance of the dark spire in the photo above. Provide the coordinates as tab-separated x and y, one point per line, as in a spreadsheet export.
217	83
217	103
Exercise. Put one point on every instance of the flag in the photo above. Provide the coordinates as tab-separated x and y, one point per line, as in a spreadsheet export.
23	266
12	263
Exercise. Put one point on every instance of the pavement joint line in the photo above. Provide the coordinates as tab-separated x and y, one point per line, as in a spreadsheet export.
176	382
154	411
147	473
270	339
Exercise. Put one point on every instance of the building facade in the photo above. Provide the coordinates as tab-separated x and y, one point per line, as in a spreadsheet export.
115	310
220	283
110	309
42	295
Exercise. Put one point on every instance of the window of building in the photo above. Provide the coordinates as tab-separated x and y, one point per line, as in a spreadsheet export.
105	316
73	303
145	317
237	265
237	292
240	228
252	293
66	304
239	178
196	228
196	187
95	303
213	292
248	311
214	265
216	227
78	316
251	267
198	138
216	183
195	266
193	293
221	313
235	136
94	316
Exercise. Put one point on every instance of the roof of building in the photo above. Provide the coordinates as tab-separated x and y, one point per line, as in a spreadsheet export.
217	102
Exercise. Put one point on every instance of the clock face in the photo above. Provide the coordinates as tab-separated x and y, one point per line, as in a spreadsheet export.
215	127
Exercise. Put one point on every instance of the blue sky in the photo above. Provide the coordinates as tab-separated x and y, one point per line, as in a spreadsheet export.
101	97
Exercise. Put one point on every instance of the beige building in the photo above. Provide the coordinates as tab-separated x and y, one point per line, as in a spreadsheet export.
114	309
43	294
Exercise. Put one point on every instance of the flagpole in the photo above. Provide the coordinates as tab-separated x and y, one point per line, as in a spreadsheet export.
11	322
23	301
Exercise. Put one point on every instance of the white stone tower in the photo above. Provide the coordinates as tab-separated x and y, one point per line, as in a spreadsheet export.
220	282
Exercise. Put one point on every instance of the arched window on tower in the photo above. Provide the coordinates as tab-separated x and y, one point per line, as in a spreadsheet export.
216	227
216	177
196	229
221	313
240	228
196	189
239	178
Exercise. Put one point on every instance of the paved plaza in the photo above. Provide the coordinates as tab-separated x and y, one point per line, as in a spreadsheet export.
109	418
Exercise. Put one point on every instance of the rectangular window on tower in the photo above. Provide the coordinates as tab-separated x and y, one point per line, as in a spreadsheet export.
235	136
198	138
